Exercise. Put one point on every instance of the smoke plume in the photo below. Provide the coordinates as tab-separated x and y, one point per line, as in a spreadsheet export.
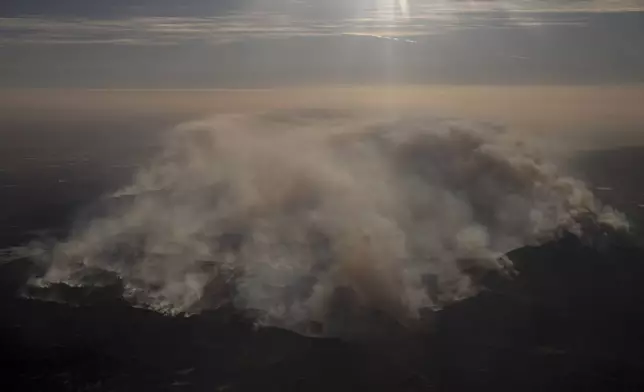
320	221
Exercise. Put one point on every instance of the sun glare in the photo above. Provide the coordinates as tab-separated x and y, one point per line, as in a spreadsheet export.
404	8
393	9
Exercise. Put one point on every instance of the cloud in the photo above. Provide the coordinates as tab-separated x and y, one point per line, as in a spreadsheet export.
173	30
318	221
252	25
119	8
168	23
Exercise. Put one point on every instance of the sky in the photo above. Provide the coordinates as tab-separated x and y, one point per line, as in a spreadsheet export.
193	44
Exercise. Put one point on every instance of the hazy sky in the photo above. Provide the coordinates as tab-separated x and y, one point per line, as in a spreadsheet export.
261	43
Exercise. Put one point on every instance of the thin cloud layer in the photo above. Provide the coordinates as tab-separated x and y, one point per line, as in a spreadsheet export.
259	44
169	23
330	8
177	30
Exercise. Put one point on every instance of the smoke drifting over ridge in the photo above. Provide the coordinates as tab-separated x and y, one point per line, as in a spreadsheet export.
318	221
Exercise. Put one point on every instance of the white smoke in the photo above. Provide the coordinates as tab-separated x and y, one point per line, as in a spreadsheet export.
316	221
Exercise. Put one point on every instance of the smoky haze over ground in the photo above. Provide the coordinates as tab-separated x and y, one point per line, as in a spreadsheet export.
322	221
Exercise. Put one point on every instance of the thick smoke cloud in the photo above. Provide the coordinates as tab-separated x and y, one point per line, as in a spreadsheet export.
322	222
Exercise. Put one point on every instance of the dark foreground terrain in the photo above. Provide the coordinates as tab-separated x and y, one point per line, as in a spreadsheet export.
572	320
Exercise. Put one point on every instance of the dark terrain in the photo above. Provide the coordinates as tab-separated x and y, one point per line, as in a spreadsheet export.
572	320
